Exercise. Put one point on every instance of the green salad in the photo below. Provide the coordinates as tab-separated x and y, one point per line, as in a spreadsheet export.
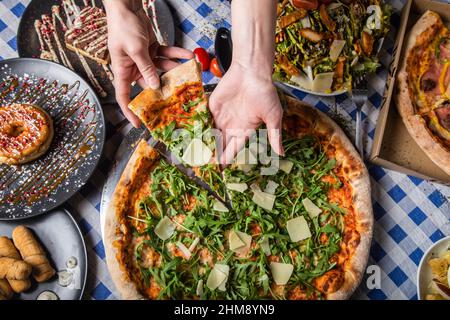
323	47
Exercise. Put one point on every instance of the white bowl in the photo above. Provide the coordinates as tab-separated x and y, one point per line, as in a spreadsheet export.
424	275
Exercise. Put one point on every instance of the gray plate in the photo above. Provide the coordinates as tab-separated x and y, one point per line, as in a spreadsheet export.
60	236
122	156
28	42
43	184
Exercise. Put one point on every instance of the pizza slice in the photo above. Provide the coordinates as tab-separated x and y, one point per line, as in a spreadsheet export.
177	115
88	35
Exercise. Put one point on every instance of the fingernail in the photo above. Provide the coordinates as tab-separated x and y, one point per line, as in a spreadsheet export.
153	83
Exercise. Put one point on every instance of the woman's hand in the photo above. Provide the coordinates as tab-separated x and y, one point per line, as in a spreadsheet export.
246	96
135	53
242	101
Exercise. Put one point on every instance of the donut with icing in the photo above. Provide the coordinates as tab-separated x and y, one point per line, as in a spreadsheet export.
26	132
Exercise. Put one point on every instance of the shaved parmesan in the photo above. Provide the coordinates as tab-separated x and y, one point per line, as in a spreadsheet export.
246	239
322	82
286	165
312	209
199	290
271	187
239	187
197	153
265	246
336	48
354	61
235	241
184	250
305	22
298	229
194	244
219	206
264	200
216	278
164	229
281	272
302	81
309	73
255	187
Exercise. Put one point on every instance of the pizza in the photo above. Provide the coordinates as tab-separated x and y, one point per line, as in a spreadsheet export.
177	115
423	97
303	232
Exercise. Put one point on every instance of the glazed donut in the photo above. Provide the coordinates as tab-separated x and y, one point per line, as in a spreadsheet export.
26	132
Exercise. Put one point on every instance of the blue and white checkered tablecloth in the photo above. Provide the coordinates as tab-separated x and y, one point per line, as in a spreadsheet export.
410	213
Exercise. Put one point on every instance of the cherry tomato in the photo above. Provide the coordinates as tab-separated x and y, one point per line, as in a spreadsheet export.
305	4
215	69
202	57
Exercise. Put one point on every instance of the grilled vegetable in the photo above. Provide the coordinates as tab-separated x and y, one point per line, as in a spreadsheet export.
287	66
326	19
285	21
367	43
305	4
311	35
339	71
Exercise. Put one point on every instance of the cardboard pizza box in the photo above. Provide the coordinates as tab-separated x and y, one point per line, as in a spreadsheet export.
393	147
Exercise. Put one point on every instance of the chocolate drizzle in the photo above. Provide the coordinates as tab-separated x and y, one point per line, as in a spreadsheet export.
90	33
150	10
77	126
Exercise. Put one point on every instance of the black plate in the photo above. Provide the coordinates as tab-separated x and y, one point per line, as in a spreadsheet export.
76	147
28	42
60	236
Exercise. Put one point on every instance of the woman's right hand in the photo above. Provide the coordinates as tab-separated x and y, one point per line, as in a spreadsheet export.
135	53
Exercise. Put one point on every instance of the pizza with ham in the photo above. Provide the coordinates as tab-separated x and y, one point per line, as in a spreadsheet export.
423	97
176	113
302	232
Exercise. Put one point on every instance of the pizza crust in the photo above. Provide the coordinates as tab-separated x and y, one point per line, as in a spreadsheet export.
358	177
142	159
425	28
146	105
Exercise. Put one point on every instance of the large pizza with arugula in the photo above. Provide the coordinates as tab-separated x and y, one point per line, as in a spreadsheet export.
301	232
423	97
